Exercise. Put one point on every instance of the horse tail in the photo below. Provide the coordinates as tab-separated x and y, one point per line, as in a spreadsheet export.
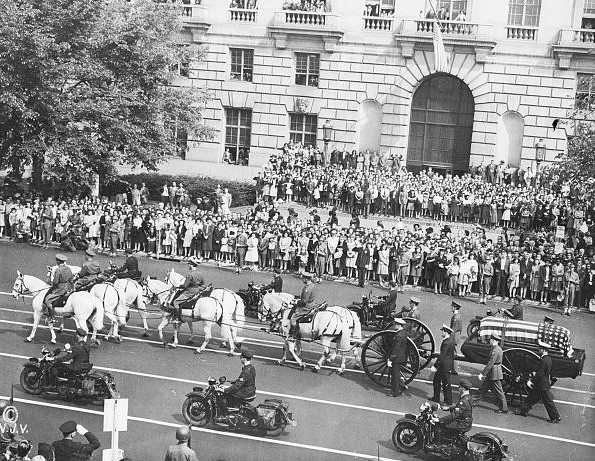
238	314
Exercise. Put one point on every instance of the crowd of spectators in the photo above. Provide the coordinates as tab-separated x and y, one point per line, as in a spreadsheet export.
317	6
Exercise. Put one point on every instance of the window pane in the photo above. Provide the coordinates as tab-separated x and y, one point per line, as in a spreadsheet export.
589	7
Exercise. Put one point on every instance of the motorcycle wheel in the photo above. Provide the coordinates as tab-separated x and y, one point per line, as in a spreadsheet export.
279	427
195	411
472	329
30	380
407	437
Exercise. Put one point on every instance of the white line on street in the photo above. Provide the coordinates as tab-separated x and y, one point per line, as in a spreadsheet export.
209	431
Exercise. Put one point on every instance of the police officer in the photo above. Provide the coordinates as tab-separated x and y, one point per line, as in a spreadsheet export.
244	387
456	324
398	358
129	270
492	373
61	285
69	450
460	418
191	288
89	271
276	284
411	312
542	387
389	304
443	367
76	359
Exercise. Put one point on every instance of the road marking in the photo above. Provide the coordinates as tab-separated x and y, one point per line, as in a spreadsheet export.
209	431
263	357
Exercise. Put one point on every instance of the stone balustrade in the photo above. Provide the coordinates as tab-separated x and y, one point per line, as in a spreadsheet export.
303	18
242	15
521	32
378	23
577	36
454	28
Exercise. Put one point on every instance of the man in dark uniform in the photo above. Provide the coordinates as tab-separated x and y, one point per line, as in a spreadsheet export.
61	285
191	288
389	304
244	387
542	387
69	450
89	272
76	359
411	312
516	312
129	270
443	366
398	358
306	301
492	373
460	418
456	324
276	284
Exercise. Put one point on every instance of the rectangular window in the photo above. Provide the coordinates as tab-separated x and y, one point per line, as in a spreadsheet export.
307	69
524	13
380	8
585	92
242	64
303	128
238	128
449	10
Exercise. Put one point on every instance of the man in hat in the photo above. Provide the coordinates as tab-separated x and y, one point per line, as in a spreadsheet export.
388	305
243	388
182	450
491	376
516	312
276	284
548	320
76	357
69	450
89	272
398	358
411	312
306	301
129	270
443	366
61	285
460	418
541	386
456	325
192	288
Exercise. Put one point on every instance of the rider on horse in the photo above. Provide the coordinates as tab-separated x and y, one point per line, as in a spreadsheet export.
89	273
129	270
305	303
192	288
61	285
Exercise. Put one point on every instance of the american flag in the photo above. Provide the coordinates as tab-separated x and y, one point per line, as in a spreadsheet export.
441	58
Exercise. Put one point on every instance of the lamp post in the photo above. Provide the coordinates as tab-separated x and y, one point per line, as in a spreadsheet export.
327	134
540	150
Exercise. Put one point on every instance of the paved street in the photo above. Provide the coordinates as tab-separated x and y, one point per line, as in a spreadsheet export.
339	417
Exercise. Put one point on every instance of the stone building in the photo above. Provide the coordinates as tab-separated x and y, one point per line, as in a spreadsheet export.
278	70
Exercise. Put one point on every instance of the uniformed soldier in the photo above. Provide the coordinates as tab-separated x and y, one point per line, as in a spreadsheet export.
129	270
89	271
69	450
76	359
306	301
398	358
460	418
244	387
388	306
276	284
492	373
443	366
456	324
61	285
516	312
411	312
191	288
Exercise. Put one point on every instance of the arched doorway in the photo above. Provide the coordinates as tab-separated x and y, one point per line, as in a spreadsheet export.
369	126
441	125
509	138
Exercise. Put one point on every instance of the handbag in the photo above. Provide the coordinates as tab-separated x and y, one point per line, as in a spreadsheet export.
338	254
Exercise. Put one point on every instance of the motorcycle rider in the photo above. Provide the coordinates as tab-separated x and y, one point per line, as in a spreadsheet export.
276	284
191	288
411	312
129	270
69	450
389	304
460	418
89	272
61	285
77	355
244	387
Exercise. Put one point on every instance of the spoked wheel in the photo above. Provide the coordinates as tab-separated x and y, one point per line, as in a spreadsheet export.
407	437
30	380
376	353
423	338
195	411
473	328
517	366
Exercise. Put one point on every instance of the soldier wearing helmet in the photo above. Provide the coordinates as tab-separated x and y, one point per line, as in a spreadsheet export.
181	451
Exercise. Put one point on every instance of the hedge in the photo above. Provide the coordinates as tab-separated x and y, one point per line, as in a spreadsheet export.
197	186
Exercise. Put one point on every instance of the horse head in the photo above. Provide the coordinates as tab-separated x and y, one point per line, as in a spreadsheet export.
19	288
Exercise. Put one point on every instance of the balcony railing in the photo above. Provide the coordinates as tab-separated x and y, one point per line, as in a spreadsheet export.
573	43
194	11
455	28
577	36
305	18
242	15
521	32
314	25
378	23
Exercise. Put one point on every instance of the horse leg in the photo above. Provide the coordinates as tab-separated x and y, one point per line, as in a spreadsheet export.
341	369
357	356
174	344
36	318
190	341
291	346
142	309
160	327
323	358
227	331
205	343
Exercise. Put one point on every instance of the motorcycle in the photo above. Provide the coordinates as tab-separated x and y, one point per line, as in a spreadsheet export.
205	406
368	314
252	297
413	433
38	377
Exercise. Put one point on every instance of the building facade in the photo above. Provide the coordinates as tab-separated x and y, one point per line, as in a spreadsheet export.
278	70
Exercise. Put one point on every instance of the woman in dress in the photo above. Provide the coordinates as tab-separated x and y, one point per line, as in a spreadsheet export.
534	284
350	257
383	260
416	264
506	214
452	271
440	272
284	248
514	276
252	252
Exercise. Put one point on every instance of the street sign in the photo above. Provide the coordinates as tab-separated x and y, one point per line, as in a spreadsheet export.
115	415
560	232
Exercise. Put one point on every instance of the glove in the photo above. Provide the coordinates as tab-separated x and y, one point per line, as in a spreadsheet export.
480	377
530	384
81	430
444	407
433	369
389	363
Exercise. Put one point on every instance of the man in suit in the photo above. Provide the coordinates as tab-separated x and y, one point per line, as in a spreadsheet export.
491	376
69	450
443	366
542	387
486	276
398	358
501	269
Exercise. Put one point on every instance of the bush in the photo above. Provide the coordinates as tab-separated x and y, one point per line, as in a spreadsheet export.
197	186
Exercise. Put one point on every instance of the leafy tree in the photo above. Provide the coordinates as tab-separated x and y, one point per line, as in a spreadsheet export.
86	85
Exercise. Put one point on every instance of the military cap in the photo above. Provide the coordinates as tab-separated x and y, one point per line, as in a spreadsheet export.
446	328
89	252
129	251
414	300
277	271
68	427
193	260
61	257
465	383
548	319
496	337
247	354
455	305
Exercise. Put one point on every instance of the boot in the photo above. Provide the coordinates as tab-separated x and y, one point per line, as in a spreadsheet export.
51	314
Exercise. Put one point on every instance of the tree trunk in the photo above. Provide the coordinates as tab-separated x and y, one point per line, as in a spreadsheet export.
37	172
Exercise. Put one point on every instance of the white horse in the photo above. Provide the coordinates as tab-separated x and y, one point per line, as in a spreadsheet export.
272	303
134	297
114	306
207	312
83	307
334	323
